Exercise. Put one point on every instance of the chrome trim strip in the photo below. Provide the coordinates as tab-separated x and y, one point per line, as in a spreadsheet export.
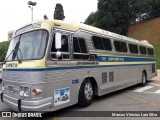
10	103
34	108
38	105
38	102
10	98
24	82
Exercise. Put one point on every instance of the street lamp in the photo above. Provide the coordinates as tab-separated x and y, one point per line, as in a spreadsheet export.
30	5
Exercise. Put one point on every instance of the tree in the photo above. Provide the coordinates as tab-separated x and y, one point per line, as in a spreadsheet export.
45	17
116	15
91	19
3	50
138	10
59	13
142	10
112	15
154	8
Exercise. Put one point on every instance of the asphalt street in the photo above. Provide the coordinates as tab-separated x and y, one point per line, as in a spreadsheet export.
135	98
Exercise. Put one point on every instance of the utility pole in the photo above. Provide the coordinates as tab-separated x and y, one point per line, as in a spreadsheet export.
30	5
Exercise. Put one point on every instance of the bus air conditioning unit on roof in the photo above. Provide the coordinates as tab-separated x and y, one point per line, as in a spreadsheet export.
145	41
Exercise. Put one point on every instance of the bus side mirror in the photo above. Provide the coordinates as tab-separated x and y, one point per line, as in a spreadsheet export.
58	40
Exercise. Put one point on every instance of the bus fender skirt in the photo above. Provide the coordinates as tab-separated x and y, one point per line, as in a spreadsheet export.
19	105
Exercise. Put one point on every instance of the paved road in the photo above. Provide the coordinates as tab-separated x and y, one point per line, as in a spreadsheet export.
136	98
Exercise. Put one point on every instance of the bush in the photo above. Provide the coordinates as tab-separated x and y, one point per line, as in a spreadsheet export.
3	50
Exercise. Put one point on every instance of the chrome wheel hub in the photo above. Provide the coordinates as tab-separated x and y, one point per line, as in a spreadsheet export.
88	91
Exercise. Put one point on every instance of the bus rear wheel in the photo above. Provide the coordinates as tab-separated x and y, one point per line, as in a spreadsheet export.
144	79
86	93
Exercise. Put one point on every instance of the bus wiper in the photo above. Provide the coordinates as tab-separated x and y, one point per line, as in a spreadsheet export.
17	56
8	56
16	49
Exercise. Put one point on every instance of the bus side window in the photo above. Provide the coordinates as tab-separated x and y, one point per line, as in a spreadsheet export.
133	48
143	50
64	48
120	46
80	49
150	51
101	43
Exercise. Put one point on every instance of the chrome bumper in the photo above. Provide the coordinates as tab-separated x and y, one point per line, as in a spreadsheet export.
23	105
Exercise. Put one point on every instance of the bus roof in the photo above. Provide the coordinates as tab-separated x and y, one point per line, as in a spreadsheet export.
73	26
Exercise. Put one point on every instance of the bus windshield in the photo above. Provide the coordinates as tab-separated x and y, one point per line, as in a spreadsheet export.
29	46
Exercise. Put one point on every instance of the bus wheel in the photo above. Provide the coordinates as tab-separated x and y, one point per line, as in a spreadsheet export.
86	93
144	79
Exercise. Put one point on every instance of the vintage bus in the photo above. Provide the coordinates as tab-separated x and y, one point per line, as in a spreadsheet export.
52	64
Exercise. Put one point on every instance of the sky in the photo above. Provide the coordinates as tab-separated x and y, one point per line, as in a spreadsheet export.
16	13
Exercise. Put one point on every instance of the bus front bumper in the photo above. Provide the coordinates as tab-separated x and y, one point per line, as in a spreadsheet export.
24	105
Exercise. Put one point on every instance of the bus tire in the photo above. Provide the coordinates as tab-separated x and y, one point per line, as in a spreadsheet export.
144	78
86	94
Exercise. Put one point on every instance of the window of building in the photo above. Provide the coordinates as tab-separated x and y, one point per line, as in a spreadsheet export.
120	46
143	50
80	49
133	48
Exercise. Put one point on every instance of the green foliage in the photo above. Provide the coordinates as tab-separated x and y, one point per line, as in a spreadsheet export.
157	51
59	13
91	19
138	10
116	15
3	50
112	15
154	10
143	10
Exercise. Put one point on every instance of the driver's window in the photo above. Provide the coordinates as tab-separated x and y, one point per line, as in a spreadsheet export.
64	48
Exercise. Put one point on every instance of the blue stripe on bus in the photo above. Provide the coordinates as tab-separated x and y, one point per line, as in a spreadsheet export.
123	59
68	68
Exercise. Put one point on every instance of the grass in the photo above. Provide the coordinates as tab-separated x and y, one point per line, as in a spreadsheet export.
157	51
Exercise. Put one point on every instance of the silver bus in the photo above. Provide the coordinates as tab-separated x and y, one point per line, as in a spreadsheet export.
54	64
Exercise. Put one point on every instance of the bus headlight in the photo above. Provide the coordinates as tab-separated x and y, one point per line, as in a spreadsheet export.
24	91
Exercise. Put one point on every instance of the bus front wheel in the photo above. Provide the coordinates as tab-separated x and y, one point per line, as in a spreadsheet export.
86	93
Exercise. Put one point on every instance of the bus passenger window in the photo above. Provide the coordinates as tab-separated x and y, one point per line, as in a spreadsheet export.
124	47
133	48
120	46
64	43
107	44
102	43
143	50
80	49
117	46
150	51
98	43
64	48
